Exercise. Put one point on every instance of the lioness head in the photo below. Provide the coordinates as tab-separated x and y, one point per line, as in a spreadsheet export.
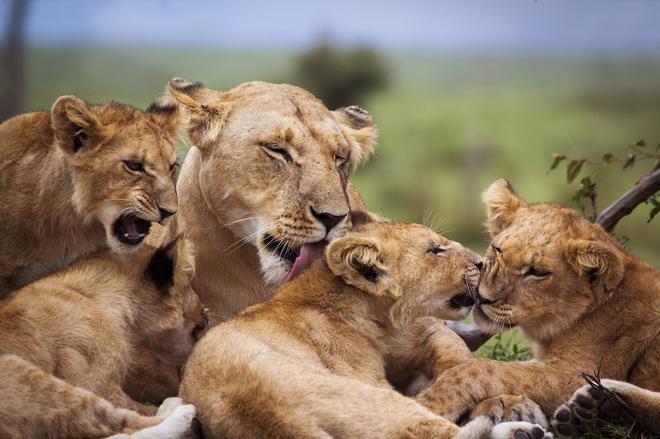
283	160
171	315
546	266
419	272
123	164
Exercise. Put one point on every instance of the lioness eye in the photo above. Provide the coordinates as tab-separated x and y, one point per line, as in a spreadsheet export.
536	272
274	150
134	165
340	160
436	250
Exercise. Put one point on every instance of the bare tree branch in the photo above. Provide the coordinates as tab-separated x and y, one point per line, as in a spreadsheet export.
12	77
647	186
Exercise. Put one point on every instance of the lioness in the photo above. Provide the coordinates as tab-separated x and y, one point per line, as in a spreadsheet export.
264	184
69	339
310	362
584	302
78	179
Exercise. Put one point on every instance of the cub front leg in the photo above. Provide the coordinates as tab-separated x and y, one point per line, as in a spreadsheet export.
458	390
610	401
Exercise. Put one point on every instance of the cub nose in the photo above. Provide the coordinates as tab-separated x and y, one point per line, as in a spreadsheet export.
327	219
164	213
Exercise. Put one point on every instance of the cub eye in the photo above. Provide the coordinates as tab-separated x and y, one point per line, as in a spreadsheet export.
134	165
174	168
536	272
436	250
497	249
274	150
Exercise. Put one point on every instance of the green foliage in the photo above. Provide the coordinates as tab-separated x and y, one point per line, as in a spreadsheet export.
341	77
506	348
587	189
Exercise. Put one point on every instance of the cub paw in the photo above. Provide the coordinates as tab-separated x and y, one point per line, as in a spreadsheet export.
511	408
591	403
519	430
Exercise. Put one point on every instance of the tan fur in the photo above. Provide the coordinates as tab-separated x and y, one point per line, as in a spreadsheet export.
310	362
235	189
58	204
597	310
69	339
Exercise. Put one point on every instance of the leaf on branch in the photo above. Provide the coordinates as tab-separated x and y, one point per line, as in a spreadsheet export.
630	161
573	169
557	159
607	158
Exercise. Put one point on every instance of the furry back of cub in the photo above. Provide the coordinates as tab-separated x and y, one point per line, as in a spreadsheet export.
80	178
69	339
311	361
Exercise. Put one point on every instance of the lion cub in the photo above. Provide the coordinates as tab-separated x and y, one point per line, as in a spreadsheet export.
310	362
585	303
69	339
78	179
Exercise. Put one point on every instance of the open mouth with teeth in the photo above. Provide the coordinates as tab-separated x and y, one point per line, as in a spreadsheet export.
130	229
299	257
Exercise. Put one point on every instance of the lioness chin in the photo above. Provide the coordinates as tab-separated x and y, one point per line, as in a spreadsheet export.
310	362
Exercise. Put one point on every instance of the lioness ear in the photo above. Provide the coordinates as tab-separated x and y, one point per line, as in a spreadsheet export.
358	126
202	117
600	261
501	202
359	262
73	123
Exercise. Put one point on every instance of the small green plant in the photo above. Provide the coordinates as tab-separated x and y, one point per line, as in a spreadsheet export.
506	348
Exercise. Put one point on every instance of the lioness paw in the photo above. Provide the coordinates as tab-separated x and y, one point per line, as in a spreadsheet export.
519	430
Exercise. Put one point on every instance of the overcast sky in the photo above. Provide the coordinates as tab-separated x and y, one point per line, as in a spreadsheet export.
563	26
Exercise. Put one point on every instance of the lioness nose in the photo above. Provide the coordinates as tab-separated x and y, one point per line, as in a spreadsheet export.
327	219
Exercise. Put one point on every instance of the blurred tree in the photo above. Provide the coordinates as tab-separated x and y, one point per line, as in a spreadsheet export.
12	78
341	77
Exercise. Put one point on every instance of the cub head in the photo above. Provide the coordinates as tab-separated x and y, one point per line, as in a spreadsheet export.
546	266
275	166
412	269
123	165
171	317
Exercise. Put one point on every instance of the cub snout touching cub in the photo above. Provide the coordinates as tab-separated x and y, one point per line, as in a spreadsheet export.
80	178
310	362
69	339
585	303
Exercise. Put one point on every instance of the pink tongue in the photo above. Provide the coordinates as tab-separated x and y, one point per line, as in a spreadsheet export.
131	228
308	254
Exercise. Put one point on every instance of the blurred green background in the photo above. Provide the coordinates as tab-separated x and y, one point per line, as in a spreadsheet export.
449	123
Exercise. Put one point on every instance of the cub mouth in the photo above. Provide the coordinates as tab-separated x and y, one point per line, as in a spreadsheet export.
130	229
300	257
462	300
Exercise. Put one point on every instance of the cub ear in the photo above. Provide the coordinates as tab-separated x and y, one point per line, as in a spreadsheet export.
601	262
202	118
73	123
359	262
360	131
166	116
501	202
